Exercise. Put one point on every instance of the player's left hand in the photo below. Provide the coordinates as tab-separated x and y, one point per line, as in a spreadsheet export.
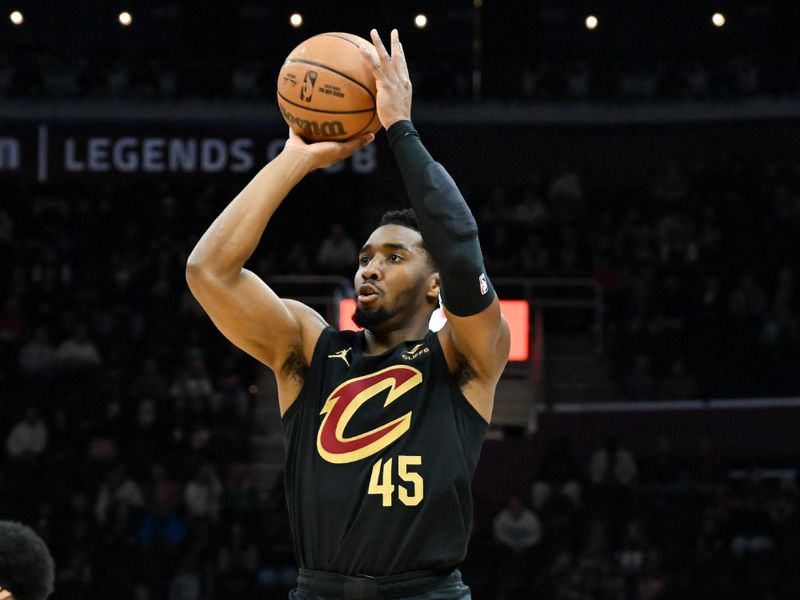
391	76
318	155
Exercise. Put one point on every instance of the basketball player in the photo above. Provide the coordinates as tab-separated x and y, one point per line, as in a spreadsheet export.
383	426
26	567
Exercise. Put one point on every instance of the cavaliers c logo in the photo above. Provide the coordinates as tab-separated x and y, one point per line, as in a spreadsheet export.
346	399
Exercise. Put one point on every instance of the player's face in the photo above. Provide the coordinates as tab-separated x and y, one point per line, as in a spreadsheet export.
395	277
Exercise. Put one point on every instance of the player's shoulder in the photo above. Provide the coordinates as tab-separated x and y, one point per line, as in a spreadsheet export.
304	314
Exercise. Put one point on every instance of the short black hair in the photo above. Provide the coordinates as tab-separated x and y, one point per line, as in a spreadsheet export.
407	218
404	217
26	567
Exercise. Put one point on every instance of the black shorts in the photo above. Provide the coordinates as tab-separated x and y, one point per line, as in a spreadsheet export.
316	585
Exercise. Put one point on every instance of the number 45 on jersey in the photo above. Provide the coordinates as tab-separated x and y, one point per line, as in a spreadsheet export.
381	481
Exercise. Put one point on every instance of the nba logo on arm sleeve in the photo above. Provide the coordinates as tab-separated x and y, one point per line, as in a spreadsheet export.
483	284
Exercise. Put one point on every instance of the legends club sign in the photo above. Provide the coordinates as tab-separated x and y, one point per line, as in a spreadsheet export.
55	153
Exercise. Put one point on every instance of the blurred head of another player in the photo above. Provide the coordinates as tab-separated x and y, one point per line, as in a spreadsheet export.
397	281
26	567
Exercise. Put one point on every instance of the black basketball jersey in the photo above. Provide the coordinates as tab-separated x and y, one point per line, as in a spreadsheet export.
381	452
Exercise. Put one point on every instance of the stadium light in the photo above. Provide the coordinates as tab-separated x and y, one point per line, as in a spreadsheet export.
125	18
591	22
16	18
296	20
517	312
421	21
718	19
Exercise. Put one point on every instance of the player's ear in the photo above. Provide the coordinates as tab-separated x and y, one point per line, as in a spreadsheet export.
433	286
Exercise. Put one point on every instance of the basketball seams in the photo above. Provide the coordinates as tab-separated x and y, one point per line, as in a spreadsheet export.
341	37
330	112
375	116
323	66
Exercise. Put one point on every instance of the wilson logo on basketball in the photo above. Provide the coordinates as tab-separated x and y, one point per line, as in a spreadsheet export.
348	398
314	128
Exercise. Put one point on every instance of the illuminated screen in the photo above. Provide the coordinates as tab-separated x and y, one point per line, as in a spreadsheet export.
515	311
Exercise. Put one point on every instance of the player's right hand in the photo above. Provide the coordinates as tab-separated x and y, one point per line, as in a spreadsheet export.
318	155
393	100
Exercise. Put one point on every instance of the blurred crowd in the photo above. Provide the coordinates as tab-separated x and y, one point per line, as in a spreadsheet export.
706	78
125	416
660	525
699	272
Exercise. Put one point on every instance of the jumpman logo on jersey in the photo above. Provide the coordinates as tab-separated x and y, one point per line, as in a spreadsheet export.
341	354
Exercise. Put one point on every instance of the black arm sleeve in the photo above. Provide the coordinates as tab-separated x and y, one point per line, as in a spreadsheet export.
447	226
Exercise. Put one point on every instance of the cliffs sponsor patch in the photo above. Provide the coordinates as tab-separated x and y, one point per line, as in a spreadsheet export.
415	352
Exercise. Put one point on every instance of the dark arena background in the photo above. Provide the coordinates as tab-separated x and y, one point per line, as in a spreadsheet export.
634	168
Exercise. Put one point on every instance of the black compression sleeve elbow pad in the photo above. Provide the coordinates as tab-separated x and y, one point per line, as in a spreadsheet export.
447	226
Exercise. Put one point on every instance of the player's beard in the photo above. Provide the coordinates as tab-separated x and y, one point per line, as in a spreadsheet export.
370	319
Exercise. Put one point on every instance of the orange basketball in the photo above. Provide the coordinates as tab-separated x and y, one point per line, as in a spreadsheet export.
325	89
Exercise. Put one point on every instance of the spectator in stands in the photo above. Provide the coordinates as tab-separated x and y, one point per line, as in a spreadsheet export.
27	440
565	195
337	252
187	584
535	258
75	576
531	212
517	533
558	474
192	389
612	464
78	351
118	488
517	528
748	299
202	494
751	529
245	80
297	261
631	556
595	575
233	400
150	434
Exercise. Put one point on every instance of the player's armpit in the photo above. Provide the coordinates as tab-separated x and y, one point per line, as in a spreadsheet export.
476	349
483	339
